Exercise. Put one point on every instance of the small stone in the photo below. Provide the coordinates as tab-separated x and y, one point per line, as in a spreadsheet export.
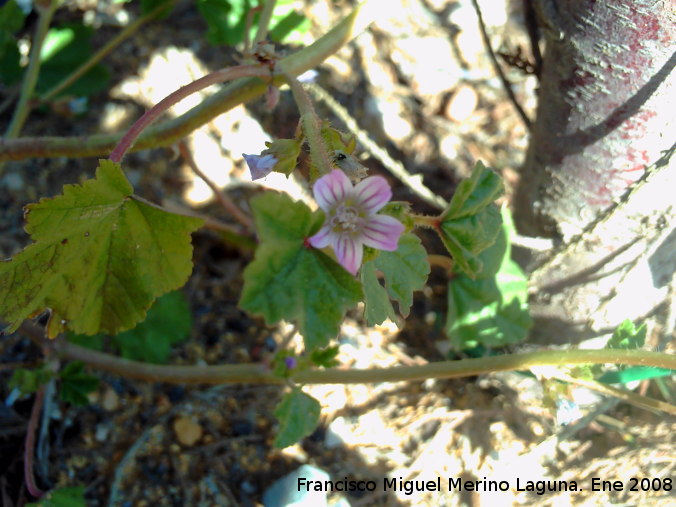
110	401
462	104
188	432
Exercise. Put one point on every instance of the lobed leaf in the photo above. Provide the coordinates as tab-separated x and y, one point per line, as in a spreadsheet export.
76	385
628	336
289	280
100	258
298	415
490	311
377	304
471	222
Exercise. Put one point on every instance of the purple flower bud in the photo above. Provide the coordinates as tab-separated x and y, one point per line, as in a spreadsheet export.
260	165
290	363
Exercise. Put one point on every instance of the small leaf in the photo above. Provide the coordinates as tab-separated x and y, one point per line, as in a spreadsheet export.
168	322
298	415
624	376
325	357
62	497
286	152
29	381
225	20
471	222
377	305
11	17
76	384
405	270
291	281
64	49
628	336
489	311
100	258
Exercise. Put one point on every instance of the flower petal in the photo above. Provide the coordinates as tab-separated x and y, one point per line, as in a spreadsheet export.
382	232
349	253
331	189
324	237
372	193
260	165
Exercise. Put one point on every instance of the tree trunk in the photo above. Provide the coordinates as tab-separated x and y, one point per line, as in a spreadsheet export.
607	108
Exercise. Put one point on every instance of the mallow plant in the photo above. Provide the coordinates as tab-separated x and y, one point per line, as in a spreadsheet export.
102	255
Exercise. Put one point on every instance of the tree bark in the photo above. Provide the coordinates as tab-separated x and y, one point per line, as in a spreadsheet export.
606	108
606	114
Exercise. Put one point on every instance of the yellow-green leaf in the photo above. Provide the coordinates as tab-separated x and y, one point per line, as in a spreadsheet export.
100	258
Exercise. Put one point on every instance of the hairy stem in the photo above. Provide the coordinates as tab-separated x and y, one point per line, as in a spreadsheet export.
258	373
127	32
311	124
264	21
152	114
168	132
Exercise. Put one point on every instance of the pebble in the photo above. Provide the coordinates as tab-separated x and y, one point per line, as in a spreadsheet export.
188	432
285	492
110	401
462	104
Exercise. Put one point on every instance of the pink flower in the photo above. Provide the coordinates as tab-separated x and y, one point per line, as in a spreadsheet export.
351	219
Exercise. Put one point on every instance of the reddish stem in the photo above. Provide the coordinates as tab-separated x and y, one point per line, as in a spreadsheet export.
30	444
152	114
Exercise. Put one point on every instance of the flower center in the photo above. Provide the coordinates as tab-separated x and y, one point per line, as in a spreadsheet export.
346	219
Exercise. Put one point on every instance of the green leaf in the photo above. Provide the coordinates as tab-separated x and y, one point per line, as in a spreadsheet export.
298	415
377	305
288	26
226	20
628	336
489	311
471	222
64	49
405	270
624	376
286	151
101	257
168	322
289	280
11	18
62	497
29	381
325	358
76	384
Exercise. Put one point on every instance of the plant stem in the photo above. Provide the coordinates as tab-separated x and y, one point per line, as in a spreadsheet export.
257	373
429	222
264	21
30	78
168	132
30	444
127	32
152	114
311	124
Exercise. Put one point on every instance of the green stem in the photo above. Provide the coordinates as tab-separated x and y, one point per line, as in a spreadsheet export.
311	124
168	132
30	78
152	114
259	374
264	21
127	32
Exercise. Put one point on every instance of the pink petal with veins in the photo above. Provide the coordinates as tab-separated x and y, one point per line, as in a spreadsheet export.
382	232
349	253
323	238
372	193
331	189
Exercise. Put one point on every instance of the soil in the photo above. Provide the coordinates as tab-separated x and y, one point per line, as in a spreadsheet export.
154	444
